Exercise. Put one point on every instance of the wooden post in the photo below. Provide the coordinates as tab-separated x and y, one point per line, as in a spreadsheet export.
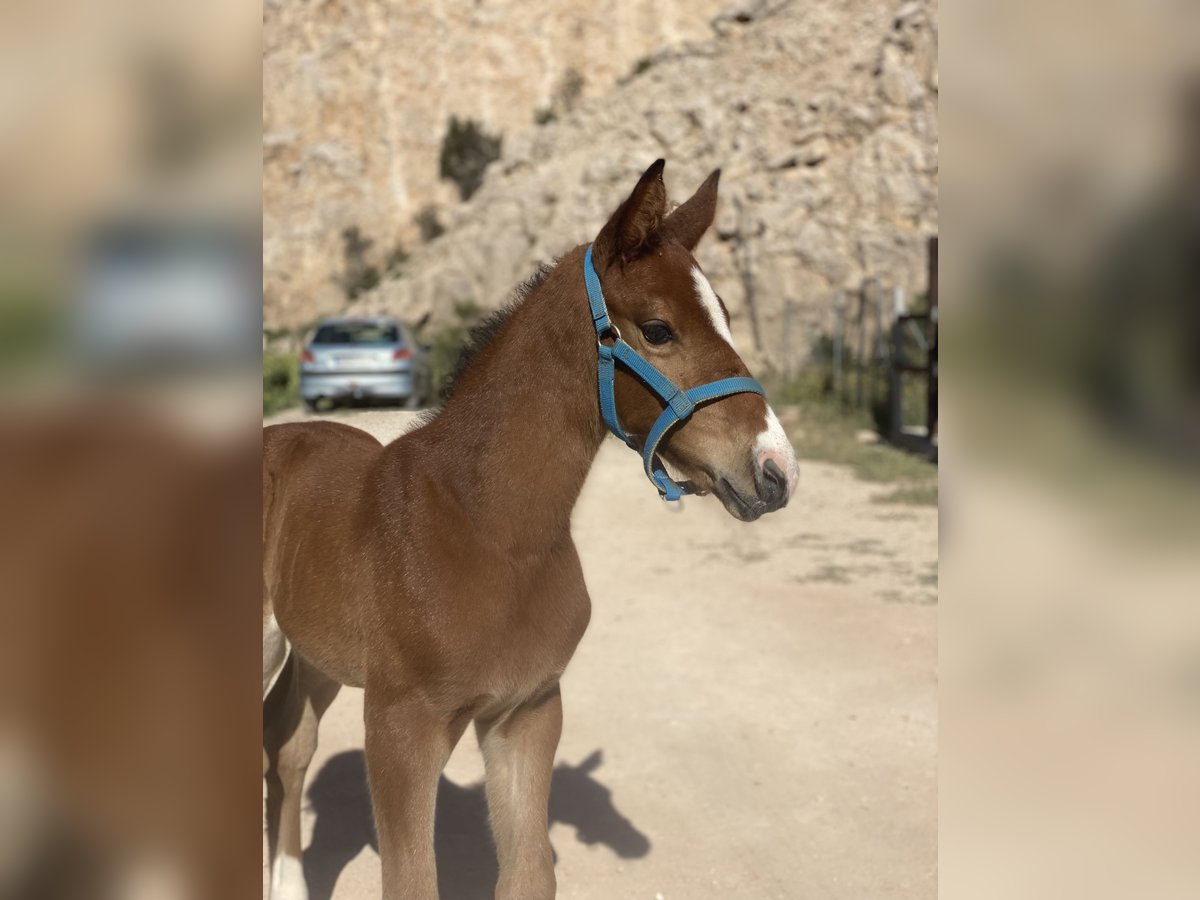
931	393
860	363
880	352
896	381
839	327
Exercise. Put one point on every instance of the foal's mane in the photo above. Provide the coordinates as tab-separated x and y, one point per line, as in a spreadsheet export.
485	332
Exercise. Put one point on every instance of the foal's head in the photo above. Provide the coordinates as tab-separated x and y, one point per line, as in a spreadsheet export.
666	308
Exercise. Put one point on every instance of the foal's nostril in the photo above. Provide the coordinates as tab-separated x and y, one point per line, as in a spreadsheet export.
774	483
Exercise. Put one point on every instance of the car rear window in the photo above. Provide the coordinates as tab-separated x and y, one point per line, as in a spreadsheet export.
357	333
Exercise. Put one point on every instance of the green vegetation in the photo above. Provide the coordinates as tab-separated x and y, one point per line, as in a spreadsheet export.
431	226
447	342
912	495
445	345
467	311
281	382
642	65
467	151
828	574
30	324
359	275
395	261
824	429
569	90
566	95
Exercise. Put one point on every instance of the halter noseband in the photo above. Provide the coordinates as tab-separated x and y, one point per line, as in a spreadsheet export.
680	404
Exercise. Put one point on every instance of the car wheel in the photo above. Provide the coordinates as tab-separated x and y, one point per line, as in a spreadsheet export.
312	405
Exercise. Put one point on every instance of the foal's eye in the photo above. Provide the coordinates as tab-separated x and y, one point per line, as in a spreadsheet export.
657	332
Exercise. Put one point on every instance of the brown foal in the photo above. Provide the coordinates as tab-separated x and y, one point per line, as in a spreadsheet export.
438	572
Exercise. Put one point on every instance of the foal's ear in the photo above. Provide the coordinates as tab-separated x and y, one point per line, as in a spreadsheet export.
688	223
635	224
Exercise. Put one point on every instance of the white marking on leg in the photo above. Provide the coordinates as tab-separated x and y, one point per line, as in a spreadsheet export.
708	299
275	653
775	440
287	879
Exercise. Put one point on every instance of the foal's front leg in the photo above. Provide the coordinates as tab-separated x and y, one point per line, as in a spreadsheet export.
408	743
518	751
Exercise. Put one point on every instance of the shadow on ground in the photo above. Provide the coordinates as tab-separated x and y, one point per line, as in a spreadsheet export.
465	855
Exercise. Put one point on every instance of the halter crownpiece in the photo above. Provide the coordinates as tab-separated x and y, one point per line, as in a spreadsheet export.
680	404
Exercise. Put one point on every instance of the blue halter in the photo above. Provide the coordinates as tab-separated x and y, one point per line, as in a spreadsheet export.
680	404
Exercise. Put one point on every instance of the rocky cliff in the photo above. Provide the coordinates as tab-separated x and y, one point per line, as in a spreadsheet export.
822	116
357	95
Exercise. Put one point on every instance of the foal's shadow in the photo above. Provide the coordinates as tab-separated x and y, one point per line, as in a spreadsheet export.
466	858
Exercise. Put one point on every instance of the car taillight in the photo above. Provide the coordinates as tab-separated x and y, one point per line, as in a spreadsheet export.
401	353
307	357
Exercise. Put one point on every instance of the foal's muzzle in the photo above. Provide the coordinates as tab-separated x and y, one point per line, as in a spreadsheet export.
771	492
772	485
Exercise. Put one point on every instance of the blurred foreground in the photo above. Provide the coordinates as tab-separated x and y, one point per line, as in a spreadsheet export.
1070	625
130	322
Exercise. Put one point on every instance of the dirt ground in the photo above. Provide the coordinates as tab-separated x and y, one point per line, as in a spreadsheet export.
751	714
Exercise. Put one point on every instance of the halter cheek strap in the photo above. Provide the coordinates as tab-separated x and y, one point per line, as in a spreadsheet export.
680	404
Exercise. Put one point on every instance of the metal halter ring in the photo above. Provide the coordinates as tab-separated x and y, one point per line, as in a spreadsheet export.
612	331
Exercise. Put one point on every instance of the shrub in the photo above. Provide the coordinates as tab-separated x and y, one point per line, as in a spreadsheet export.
367	280
281	382
448	342
467	311
566	95
396	260
359	276
431	226
570	89
467	151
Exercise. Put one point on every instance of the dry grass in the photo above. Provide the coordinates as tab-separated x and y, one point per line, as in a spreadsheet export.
822	429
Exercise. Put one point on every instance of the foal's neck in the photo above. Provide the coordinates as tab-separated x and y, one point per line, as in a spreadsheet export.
523	426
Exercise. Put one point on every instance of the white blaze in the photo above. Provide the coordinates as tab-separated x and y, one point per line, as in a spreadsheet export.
708	299
773	438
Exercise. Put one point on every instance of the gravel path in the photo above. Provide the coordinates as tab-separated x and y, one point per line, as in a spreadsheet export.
752	713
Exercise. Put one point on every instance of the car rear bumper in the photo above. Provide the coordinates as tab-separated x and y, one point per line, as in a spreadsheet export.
314	385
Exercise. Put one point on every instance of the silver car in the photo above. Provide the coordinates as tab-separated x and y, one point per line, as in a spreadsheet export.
363	358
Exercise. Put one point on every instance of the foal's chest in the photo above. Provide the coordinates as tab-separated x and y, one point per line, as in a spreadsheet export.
484	624
521	642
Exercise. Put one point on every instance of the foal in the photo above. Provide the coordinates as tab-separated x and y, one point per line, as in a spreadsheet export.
438	572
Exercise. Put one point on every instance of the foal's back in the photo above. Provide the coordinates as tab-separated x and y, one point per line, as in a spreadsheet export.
298	450
313	476
306	462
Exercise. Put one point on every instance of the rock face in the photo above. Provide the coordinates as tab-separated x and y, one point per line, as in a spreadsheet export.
822	117
357	97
